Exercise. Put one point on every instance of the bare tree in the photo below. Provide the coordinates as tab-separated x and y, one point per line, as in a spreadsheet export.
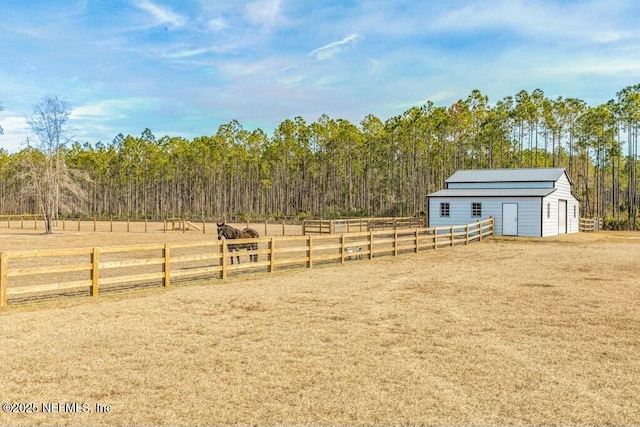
55	186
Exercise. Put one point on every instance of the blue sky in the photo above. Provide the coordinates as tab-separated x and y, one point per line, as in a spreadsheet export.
184	67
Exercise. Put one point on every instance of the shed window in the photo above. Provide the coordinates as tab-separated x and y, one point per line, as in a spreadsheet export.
476	209
444	209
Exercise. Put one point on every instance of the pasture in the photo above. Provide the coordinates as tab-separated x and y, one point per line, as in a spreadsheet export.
508	331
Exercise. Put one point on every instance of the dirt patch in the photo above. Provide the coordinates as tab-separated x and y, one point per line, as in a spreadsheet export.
509	331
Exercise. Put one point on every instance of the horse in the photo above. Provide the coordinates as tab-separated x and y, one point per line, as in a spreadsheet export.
228	232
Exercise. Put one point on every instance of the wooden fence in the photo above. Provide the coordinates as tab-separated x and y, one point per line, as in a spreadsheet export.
591	224
22	221
336	226
36	222
32	274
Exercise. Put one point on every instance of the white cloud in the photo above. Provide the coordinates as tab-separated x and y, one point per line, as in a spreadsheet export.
217	24
110	109
263	12
330	50
16	131
580	21
163	15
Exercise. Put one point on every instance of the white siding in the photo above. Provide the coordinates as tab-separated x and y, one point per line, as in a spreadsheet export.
563	192
529	220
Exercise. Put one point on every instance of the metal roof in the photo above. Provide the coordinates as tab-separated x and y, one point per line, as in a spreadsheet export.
506	175
494	192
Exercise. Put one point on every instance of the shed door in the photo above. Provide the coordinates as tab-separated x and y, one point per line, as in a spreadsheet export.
509	219
562	217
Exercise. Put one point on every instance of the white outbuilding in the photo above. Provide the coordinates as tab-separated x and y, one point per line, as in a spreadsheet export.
523	202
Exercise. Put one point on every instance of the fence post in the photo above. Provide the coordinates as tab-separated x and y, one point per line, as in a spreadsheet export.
3	279
342	248
204	224
111	224
128	225
166	266
272	255
95	273
309	245
265	228
451	234
395	240
145	225
466	234
283	227
435	238
94	224
480	231
371	245
223	271
417	233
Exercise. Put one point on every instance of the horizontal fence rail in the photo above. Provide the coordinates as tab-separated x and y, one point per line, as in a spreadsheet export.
90	271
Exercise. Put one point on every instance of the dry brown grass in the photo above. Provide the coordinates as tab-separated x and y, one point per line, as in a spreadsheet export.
510	331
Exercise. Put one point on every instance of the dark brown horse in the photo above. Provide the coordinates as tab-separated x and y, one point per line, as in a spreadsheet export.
228	232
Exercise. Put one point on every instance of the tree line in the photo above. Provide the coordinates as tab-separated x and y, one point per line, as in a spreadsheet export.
332	167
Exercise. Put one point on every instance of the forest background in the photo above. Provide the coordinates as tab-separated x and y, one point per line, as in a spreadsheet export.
332	167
